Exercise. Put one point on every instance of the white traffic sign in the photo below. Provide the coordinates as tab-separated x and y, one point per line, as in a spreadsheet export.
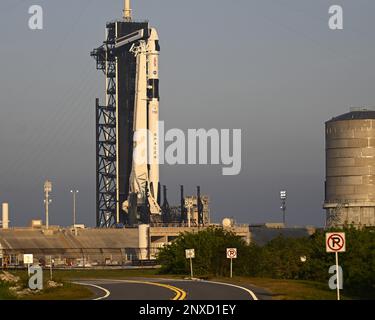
232	253
28	259
335	242
190	253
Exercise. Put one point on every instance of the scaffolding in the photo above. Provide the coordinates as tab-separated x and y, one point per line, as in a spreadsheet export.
107	204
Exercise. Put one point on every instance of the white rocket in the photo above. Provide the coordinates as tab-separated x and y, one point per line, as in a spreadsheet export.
144	177
153	50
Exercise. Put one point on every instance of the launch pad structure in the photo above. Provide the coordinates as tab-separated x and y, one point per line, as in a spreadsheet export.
128	190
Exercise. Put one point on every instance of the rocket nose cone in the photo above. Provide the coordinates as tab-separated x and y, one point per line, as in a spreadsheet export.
154	34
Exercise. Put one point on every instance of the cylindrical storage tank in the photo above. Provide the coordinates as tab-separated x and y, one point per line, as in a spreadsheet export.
143	241
5	215
350	169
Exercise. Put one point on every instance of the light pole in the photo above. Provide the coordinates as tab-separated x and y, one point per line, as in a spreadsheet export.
47	200
283	203
74	192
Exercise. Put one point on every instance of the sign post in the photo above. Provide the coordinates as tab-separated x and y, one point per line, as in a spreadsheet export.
190	254
231	254
51	261
28	259
335	242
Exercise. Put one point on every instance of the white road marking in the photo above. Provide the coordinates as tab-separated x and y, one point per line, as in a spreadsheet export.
222	283
252	294
235	286
180	293
107	292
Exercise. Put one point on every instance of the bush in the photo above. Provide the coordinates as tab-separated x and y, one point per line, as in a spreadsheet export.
280	258
210	252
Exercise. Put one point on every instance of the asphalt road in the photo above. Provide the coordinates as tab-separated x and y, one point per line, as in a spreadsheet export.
167	289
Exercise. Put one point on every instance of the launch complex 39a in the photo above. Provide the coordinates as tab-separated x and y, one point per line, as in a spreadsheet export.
133	216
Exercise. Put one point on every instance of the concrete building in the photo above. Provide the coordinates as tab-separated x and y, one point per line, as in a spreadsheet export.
350	169
68	247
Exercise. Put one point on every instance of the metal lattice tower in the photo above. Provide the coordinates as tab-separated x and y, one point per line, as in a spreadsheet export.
106	158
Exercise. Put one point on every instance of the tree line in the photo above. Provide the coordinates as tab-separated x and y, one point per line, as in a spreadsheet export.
281	258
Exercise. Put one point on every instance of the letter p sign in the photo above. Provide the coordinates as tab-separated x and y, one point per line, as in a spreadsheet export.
335	242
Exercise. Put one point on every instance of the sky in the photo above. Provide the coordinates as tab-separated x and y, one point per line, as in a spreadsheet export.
271	68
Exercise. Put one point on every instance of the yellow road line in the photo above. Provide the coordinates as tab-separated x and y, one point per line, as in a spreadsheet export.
180	294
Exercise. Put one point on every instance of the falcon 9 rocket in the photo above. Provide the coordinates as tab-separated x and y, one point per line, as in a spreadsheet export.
127	125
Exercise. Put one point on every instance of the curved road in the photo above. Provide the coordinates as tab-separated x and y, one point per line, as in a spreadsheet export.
170	289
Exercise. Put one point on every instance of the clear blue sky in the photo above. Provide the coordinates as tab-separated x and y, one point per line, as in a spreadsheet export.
271	68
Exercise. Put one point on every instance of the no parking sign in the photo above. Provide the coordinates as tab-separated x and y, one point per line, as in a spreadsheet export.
335	242
232	253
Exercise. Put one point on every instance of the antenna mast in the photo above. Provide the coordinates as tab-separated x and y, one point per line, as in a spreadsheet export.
127	11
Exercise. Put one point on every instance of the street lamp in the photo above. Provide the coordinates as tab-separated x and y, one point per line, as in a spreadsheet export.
47	200
283	197
74	192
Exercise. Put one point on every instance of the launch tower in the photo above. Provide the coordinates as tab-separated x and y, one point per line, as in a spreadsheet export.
127	191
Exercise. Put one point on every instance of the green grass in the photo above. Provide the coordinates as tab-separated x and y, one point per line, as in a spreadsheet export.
105	274
290	289
4	291
68	291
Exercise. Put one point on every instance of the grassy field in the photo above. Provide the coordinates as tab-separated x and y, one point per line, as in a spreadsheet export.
68	291
105	274
4	292
279	289
289	289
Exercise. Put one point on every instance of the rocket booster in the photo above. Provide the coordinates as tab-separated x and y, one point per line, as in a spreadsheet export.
145	174
153	50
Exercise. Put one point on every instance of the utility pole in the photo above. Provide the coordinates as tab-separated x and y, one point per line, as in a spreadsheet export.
74	192
47	190
283	198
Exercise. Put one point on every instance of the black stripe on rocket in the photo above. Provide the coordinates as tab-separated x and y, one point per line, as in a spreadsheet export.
153	89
